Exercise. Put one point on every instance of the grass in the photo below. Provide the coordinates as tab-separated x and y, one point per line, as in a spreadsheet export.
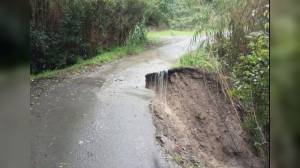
178	159
165	33
186	163
199	59
108	56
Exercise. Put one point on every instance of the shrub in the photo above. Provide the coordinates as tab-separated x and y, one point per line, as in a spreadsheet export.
251	87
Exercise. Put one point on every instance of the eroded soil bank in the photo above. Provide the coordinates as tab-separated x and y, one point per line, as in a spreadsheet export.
195	122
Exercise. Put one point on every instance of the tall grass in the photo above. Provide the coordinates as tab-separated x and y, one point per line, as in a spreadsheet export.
200	59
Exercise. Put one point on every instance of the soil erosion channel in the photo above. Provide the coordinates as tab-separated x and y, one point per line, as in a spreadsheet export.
100	118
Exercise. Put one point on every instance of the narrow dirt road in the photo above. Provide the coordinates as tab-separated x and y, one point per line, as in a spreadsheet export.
101	119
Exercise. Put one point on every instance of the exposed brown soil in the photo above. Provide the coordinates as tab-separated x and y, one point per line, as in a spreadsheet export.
196	125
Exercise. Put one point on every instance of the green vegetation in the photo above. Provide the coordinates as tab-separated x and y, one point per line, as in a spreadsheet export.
251	86
178	159
105	57
239	49
183	162
187	14
158	12
200	59
63	31
176	14
154	35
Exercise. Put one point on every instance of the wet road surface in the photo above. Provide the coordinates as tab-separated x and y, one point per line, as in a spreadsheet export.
101	119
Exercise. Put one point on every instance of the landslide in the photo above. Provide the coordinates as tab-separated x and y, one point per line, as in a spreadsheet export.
195	123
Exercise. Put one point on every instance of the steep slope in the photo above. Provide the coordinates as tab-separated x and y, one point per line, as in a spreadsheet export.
195	122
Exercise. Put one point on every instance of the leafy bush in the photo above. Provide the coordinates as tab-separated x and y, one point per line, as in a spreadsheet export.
251	86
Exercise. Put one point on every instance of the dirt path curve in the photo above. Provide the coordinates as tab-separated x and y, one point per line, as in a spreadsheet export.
100	119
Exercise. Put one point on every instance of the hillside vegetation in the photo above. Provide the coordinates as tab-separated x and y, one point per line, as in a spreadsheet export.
238	48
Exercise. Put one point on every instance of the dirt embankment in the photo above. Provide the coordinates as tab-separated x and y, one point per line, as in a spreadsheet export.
195	122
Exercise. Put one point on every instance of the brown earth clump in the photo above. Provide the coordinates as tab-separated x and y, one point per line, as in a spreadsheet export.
195	122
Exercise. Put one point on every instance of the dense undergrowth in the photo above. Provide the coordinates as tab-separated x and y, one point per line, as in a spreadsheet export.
63	32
